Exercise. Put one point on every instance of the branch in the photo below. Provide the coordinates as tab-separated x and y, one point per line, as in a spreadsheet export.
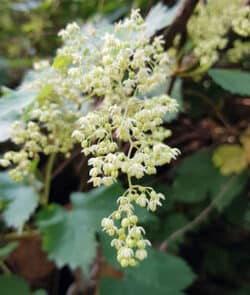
180	22
60	168
200	218
213	106
171	85
47	184
4	268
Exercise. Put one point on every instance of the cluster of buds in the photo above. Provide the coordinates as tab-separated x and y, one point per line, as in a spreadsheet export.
123	135
98	93
47	124
104	132
122	224
210	25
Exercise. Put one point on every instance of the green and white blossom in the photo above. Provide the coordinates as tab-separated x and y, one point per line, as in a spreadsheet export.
121	133
211	23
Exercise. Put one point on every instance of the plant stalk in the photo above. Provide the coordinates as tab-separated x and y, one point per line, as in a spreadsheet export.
47	183
199	218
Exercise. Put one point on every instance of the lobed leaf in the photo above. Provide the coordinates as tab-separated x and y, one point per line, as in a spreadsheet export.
11	106
159	274
12	284
196	178
64	230
19	201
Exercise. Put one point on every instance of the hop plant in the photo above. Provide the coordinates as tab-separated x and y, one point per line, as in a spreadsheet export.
121	133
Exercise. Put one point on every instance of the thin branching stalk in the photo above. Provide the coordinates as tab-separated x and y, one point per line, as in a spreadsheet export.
200	218
47	183
4	268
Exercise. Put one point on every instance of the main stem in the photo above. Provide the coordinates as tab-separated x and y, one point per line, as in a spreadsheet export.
47	182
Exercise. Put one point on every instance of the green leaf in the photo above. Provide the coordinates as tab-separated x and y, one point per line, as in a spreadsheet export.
16	100
7	249
20	201
230	158
6	123
196	178
69	236
11	284
96	201
163	270
11	106
237	212
14	285
64	230
39	292
172	223
159	274
100	201
230	187
69	241
108	251
234	81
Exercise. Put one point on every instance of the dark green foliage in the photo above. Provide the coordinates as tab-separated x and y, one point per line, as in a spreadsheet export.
159	274
234	81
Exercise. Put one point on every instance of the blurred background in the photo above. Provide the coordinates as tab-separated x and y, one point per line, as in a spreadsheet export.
28	29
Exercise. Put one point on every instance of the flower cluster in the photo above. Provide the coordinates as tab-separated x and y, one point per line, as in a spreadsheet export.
99	93
46	127
239	50
209	26
241	23
103	133
124	133
122	224
114	65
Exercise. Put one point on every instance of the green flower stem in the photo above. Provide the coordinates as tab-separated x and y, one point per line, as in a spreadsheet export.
129	156
47	183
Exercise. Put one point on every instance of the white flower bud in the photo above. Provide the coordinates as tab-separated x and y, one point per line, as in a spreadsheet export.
107	223
141	254
125	252
4	163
